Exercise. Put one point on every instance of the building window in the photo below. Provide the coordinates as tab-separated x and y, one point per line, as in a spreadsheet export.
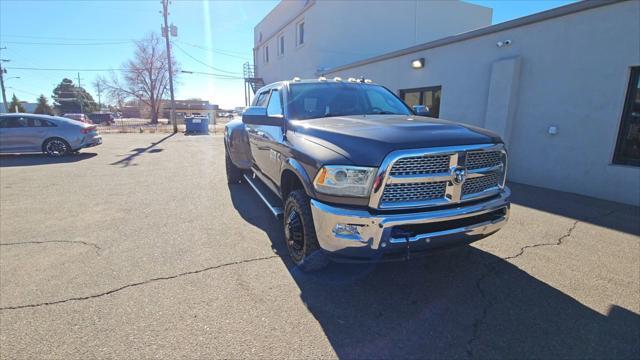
427	96
628	144
300	33
266	54
281	45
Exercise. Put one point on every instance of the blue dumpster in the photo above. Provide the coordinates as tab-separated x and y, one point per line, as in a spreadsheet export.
197	124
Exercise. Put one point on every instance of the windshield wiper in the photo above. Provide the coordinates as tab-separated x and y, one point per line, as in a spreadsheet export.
383	113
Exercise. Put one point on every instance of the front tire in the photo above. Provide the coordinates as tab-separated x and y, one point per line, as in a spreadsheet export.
234	174
300	234
56	147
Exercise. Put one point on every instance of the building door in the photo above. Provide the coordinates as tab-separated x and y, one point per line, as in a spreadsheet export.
628	145
427	96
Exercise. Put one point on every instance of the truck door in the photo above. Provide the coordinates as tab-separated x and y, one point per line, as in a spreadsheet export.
264	139
274	137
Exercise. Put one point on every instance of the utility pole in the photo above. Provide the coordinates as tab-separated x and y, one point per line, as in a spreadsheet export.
79	96
99	90
2	72
168	32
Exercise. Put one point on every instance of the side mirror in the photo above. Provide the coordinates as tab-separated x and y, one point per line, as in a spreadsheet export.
421	110
257	115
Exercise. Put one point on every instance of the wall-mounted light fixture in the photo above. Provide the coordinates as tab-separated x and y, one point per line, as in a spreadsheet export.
417	63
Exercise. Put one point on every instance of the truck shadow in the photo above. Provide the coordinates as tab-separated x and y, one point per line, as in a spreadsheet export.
460	303
612	215
16	160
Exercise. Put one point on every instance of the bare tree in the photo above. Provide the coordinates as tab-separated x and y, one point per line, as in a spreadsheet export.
145	77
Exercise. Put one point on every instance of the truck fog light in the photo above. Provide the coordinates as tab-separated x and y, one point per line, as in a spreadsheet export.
350	230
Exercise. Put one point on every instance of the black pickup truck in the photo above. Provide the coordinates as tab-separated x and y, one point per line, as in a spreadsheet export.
358	175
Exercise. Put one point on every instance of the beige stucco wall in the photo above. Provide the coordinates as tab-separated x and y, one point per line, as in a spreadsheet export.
572	73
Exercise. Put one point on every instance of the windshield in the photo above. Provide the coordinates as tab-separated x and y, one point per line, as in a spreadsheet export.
316	100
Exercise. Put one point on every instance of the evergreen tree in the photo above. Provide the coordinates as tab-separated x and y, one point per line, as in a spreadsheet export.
15	104
67	98
43	106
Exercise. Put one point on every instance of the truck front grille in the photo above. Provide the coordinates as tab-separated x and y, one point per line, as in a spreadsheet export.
431	177
483	159
480	184
414	192
418	165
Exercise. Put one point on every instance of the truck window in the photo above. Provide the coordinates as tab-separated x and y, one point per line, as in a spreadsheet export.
275	105
261	99
316	100
381	103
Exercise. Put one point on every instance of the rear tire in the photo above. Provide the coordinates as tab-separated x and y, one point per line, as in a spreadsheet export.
300	233
234	174
56	147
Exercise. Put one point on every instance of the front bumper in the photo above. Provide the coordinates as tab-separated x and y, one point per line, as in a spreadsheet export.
379	235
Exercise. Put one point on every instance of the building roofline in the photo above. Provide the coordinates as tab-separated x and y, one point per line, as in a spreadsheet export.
525	20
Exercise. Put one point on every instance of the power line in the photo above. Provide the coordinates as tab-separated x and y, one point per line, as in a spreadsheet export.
205	64
114	41
66	69
217	51
67	44
221	77
64	38
22	91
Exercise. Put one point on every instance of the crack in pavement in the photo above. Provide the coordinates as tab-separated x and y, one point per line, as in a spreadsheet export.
162	278
95	246
491	270
558	242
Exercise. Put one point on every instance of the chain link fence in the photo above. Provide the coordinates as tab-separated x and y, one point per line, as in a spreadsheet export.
135	125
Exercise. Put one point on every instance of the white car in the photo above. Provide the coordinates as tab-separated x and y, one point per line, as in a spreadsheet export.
52	135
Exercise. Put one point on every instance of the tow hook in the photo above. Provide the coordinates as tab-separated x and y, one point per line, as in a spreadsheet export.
399	233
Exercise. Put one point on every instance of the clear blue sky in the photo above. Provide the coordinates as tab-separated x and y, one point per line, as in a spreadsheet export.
96	35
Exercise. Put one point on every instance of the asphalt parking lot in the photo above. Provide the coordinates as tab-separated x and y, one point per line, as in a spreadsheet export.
138	249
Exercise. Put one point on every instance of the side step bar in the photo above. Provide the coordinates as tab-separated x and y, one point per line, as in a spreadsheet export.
275	210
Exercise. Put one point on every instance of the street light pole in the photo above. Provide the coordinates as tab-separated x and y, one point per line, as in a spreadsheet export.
167	33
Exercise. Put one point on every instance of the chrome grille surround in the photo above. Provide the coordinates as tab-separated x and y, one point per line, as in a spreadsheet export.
420	180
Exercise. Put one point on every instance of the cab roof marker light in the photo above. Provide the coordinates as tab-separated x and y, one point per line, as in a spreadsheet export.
351	79
296	79
337	78
322	78
367	81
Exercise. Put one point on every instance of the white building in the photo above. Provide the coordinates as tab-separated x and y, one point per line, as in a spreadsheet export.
302	36
561	87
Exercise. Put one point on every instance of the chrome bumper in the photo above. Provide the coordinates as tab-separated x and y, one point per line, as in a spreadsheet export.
378	234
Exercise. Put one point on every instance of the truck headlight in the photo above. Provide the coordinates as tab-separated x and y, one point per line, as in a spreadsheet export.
345	180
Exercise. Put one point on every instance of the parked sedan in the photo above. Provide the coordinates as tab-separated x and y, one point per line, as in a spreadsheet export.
55	136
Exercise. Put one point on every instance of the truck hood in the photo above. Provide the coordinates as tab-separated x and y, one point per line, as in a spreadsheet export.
367	139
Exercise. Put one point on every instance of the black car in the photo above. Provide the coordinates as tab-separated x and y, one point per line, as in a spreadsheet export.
357	175
105	118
